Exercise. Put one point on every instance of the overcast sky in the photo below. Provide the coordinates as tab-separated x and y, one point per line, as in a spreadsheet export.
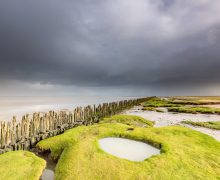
109	47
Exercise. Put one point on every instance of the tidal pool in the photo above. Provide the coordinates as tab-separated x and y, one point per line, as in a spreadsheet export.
128	149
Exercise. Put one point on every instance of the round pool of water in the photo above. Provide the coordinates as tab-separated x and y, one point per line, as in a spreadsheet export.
127	149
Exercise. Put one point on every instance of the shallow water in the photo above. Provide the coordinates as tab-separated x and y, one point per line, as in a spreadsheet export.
128	149
19	106
48	173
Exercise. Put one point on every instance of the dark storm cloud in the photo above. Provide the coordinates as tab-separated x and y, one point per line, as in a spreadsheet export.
110	43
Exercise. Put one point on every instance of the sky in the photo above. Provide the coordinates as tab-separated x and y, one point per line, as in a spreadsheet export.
109	47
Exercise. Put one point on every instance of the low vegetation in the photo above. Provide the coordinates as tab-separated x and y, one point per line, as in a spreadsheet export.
158	102
194	110
209	99
210	124
129	120
181	105
19	165
173	102
145	108
185	153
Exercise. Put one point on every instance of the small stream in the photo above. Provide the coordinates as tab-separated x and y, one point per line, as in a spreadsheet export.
48	172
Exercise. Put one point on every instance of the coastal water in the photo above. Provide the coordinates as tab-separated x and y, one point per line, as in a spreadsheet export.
19	106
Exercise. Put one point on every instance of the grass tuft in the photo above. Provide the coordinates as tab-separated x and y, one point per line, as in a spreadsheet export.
129	120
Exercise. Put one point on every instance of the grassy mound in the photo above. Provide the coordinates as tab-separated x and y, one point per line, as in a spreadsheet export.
210	124
21	165
185	154
129	120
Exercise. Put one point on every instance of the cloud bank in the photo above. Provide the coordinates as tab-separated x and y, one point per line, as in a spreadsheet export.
164	46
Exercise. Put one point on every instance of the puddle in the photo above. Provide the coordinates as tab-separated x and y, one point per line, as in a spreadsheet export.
128	149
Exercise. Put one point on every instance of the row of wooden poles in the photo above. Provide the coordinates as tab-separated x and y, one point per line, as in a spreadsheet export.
24	134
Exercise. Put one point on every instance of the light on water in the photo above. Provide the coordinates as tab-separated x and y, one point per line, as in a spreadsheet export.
128	149
19	106
47	175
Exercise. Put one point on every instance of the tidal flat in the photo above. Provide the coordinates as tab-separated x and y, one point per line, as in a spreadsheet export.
184	152
182	148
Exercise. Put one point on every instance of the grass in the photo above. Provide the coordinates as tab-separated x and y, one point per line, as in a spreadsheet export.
194	110
210	124
210	99
158	102
19	165
179	103
148	108
129	120
185	153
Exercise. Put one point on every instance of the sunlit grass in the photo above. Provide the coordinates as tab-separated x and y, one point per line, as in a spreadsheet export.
185	153
173	102
181	105
21	165
158	102
129	120
211	124
194	110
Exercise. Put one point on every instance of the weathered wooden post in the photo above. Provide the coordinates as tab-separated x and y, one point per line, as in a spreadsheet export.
26	133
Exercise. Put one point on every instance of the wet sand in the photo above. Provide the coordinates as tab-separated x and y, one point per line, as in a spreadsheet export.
169	118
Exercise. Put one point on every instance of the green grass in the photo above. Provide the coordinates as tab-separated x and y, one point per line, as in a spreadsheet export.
129	120
21	165
210	124
185	153
210	99
194	110
173	102
158	102
179	105
148	108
